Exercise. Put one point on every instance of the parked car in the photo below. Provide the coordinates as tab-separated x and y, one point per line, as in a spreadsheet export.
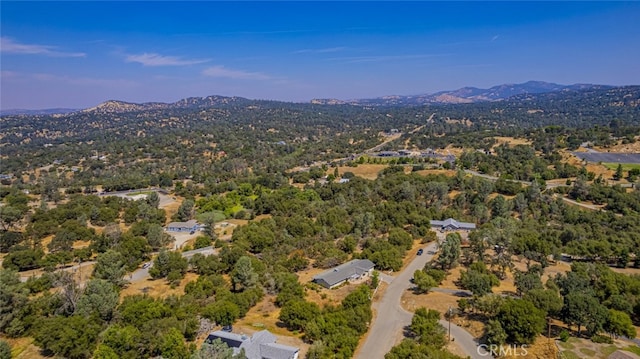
192	232
227	328
420	251
146	265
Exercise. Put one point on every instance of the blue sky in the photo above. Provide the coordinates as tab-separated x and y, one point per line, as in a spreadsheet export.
78	54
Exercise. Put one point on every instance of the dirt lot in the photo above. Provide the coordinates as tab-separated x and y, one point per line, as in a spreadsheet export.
181	238
157	288
449	173
622	148
264	315
23	348
511	141
323	296
86	269
284	336
368	171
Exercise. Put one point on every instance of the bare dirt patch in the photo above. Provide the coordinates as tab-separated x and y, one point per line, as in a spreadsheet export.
291	340
320	295
628	271
449	173
542	348
591	167
367	171
23	348
622	148
81	273
511	141
157	288
172	208
456	151
441	302
452	277
264	315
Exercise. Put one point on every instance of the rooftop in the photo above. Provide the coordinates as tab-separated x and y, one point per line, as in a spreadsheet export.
345	271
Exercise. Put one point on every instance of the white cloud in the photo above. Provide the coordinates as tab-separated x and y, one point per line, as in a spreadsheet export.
221	71
8	74
83	81
320	51
384	58
161	60
9	46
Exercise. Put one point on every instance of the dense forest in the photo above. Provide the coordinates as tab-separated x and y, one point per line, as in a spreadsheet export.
237	158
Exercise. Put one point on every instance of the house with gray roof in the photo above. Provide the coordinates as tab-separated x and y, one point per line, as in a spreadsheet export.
451	224
262	345
188	226
352	270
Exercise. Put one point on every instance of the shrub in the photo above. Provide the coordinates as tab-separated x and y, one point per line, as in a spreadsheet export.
564	336
437	274
601	339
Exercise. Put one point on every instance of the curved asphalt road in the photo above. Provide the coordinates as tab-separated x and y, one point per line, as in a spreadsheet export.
388	325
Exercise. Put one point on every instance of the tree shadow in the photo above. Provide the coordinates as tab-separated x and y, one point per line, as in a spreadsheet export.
407	333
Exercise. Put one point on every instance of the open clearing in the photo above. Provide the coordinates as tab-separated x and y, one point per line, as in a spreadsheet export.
367	171
23	348
449	173
625	166
157	288
511	141
581	348
622	147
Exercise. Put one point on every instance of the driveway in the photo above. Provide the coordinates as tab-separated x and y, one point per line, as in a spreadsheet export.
388	325
466	342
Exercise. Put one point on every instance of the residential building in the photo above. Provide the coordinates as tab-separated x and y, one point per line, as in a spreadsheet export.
451	224
188	226
262	345
353	270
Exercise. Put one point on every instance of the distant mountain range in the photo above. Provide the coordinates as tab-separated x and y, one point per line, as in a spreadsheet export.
112	106
467	94
463	95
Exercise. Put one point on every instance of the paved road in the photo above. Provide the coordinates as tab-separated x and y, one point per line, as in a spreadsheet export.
466	341
583	205
391	319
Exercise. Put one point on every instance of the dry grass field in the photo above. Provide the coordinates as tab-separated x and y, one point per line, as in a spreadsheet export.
449	173
511	141
367	171
23	348
622	148
157	288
